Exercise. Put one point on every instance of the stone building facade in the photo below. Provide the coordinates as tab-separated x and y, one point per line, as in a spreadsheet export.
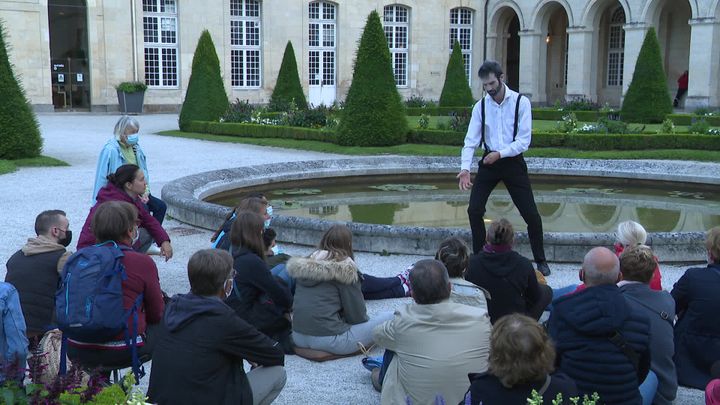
70	54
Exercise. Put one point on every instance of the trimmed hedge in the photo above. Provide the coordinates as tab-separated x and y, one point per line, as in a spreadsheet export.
647	100
436	111
261	131
456	90
374	114
205	99
556	115
436	137
288	87
687	119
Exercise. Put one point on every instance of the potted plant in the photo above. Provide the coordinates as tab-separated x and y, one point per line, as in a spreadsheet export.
131	96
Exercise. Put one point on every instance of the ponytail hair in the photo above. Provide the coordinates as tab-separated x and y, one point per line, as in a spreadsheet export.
124	174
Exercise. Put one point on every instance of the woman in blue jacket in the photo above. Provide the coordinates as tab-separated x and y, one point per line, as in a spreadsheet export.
123	148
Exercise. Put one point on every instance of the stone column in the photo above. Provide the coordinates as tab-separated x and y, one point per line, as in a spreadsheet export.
634	37
581	77
532	68
703	63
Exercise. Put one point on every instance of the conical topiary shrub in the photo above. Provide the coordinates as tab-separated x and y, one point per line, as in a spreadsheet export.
288	87
19	130
205	99
374	114
456	91
647	99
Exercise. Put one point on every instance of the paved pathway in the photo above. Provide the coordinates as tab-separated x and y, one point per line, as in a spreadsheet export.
78	138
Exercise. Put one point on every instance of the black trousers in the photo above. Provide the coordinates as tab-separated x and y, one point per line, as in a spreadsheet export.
513	173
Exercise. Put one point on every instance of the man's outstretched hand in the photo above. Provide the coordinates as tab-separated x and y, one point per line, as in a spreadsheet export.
464	180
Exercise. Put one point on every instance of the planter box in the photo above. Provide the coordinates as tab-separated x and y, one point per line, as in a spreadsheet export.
131	103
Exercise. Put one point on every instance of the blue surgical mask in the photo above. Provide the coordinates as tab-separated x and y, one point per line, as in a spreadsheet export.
269	210
133	139
266	224
276	250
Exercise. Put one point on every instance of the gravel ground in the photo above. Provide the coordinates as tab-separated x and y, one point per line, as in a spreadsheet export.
78	138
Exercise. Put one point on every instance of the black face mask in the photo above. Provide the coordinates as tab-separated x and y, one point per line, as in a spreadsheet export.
67	239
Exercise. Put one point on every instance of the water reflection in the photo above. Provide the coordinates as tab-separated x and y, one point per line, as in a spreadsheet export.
581	205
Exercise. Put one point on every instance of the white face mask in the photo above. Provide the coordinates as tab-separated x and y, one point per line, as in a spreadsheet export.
269	210
276	250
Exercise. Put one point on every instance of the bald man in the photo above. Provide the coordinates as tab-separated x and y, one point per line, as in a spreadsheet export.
601	342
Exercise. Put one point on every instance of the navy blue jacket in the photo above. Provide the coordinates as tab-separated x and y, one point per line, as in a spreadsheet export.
697	331
581	325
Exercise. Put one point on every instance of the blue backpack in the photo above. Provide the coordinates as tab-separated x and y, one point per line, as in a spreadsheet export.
89	302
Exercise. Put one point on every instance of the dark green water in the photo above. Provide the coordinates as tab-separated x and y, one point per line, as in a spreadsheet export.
566	204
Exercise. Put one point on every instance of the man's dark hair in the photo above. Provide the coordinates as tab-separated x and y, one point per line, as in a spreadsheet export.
208	269
490	66
429	282
46	220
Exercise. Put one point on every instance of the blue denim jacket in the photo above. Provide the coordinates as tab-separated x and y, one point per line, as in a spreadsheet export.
13	341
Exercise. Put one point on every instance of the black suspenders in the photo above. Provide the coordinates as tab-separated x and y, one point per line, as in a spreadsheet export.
482	115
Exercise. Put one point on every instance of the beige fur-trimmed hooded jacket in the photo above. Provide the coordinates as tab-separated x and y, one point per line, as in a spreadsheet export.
328	296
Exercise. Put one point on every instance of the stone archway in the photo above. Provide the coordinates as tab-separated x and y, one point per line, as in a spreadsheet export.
506	24
554	56
670	19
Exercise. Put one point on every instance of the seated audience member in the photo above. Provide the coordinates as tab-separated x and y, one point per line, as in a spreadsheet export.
637	265
629	233
128	184
697	331
259	298
431	344
273	256
601	342
712	391
453	253
116	222
508	276
522	359
201	344
256	203
13	339
35	271
329	313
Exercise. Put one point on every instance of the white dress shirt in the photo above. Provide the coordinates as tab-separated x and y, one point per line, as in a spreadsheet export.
499	124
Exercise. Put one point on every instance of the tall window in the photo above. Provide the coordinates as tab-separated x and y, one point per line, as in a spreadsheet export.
245	43
321	43
461	30
616	48
161	46
396	25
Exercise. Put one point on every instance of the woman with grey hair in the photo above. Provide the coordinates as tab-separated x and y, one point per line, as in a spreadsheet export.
123	148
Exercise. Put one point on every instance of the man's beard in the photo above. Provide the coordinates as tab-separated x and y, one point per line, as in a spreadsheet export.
493	92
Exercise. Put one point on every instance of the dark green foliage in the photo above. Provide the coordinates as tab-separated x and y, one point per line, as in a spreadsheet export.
131	87
287	88
374	114
688	119
456	91
19	130
647	99
437	111
238	111
205	99
261	131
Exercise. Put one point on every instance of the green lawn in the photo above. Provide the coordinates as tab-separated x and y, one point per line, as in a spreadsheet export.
441	150
9	166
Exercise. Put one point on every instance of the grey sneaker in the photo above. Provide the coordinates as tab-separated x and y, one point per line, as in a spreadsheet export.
544	268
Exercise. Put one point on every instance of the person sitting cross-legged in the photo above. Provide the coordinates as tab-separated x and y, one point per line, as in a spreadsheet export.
522	358
201	345
431	344
601	341
637	265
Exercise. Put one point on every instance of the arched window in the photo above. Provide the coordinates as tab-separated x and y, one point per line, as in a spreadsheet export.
245	48
461	30
161	45
616	48
396	23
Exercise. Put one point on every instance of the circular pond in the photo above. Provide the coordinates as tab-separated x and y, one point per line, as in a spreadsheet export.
566	203
409	204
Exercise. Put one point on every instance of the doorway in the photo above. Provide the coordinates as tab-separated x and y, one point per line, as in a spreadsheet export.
69	61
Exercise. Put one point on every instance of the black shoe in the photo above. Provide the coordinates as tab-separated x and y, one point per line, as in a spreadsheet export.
544	268
286	343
